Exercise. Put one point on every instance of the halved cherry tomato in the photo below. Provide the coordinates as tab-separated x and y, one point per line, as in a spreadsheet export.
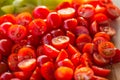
41	12
47	71
82	40
8	18
65	62
53	20
36	75
27	64
83	73
63	73
24	18
16	48
86	10
42	59
6	76
67	13
26	53
17	32
99	60
103	34
70	24
112	11
101	71
37	27
13	62
82	22
62	55
50	51
60	42
106	49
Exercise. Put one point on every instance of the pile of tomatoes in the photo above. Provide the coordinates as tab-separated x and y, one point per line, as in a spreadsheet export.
72	42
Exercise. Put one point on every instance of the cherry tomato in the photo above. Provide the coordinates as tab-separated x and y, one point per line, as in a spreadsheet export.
62	55
65	62
6	76
53	20
87	11
83	73
13	62
67	13
17	32
27	64
8	18
16	48
26	53
36	75
50	51
41	12
42	59
101	71
24	18
5	46
39	50
22	75
106	49
99	60
63	73
70	24
82	22
37	27
112	11
60	42
82	40
47	71
63	5
103	34
71	37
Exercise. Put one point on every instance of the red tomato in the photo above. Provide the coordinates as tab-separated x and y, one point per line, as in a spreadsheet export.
22	75
101	71
47	71
39	50
27	64
42	59
60	42
82	22
37	27
70	24
83	73
65	62
41	12
8	18
82	40
6	76
112	11
26	53
63	5
13	62
17	32
116	58
71	37
16	48
87	11
106	49
53	20
24	18
66	13
103	34
62	55
88	48
36	75
50	51
47	38
63	73
99	60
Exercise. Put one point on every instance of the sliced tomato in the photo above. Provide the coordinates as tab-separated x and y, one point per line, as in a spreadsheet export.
99	60
83	73
106	49
101	71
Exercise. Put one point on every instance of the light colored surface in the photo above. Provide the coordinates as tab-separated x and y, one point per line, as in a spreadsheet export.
115	75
